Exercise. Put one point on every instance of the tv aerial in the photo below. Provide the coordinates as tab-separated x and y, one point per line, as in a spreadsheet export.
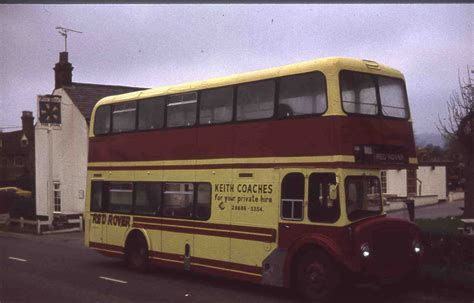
63	31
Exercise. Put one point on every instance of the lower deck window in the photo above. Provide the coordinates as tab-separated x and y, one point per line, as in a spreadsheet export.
321	208
97	196
203	201
178	200
174	200
292	196
121	197
363	197
147	198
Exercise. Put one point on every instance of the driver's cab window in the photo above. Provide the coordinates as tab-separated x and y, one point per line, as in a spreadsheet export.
323	205
363	197
292	197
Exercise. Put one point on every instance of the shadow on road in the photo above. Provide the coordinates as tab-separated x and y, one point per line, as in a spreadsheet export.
418	292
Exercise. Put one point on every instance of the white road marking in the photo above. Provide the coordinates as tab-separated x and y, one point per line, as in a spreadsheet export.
17	259
114	280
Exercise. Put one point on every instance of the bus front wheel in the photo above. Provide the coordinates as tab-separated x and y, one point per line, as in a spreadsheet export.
136	254
317	277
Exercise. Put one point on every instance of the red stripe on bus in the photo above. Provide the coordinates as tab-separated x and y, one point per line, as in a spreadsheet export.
165	255
106	246
187	223
309	136
216	271
209	262
227	274
228	265
337	164
217	233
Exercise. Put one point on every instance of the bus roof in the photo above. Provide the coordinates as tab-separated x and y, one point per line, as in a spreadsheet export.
323	64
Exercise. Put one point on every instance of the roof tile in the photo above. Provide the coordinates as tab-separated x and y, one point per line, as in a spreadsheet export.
86	95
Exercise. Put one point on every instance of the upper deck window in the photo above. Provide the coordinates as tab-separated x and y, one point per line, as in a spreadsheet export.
302	95
255	100
368	94
215	105
392	97
151	113
181	110
124	117
102	120
358	93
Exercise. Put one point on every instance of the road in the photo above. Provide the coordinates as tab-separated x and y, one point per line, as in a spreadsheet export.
58	268
440	210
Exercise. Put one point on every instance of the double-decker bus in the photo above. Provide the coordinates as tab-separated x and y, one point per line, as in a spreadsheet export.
270	176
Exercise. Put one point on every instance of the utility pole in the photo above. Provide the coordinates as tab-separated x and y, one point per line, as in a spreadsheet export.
63	31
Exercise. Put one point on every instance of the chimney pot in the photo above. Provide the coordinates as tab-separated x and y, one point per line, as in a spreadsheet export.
63	71
27	121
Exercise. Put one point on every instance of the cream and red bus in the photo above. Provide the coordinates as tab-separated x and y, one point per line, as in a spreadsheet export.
270	176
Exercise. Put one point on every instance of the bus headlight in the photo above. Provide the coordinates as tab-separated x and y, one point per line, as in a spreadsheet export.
417	247
365	250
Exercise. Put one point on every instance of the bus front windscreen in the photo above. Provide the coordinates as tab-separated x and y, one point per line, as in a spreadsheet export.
366	94
363	197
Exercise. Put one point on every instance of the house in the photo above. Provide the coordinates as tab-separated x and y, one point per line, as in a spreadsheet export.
427	184
17	155
62	147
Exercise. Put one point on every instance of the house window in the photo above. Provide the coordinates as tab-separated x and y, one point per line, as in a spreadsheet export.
18	161
24	141
57	196
383	179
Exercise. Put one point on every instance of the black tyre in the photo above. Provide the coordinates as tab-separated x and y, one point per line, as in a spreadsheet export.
317	277
136	254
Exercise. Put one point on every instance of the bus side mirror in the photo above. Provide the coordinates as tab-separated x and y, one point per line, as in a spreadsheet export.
333	191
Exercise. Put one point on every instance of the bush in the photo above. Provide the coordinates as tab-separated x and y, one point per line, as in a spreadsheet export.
450	251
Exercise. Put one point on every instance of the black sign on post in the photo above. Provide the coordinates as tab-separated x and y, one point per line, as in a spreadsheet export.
49	109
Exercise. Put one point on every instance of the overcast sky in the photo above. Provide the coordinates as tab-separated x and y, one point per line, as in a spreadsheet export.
154	45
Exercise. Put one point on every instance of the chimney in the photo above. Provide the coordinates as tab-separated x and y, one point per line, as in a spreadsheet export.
27	122
63	71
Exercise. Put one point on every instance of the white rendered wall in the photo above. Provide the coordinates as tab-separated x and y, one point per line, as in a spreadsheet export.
69	159
397	182
433	181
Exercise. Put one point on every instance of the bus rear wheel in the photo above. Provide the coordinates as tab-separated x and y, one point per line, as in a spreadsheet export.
136	254
317	277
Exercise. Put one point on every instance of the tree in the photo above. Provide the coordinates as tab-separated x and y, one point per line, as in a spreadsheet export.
458	130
